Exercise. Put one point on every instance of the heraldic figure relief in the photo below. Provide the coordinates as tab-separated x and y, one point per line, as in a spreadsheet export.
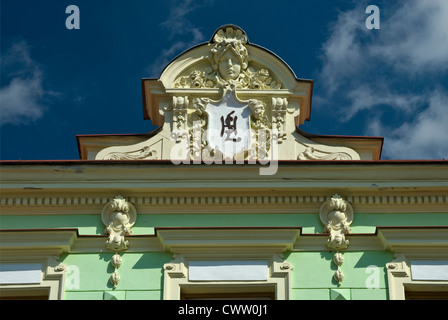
227	100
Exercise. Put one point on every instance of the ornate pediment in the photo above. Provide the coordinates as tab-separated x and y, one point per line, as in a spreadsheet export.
228	99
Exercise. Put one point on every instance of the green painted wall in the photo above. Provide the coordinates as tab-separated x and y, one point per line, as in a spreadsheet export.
88	276
312	278
364	275
310	223
142	273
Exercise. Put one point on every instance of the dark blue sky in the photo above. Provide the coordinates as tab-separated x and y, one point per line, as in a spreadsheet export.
57	83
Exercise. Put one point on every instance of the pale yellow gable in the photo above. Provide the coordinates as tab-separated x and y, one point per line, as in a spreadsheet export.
228	100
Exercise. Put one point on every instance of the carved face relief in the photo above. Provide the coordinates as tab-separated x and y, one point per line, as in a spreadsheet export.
229	62
229	66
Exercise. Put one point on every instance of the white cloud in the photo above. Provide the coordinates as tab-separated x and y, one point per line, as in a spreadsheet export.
425	137
365	97
397	66
182	33
415	39
342	53
20	98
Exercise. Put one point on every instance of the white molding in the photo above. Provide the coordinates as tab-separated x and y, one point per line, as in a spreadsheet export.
48	241
141	243
413	243
227	244
399	276
21	204
187	240
52	279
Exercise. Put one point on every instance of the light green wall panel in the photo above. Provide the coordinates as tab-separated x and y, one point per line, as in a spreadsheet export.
310	294
86	224
144	295
91	272
370	294
311	269
83	295
367	222
310	223
114	295
340	294
361	269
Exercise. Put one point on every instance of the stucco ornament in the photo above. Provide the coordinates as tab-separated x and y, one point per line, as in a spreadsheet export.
139	154
228	93
116	263
229	64
311	154
337	214
229	128
119	217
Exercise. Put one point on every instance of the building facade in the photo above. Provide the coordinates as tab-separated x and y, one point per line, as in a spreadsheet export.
227	199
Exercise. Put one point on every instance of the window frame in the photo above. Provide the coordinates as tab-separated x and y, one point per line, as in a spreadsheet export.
227	244
409	244
42	246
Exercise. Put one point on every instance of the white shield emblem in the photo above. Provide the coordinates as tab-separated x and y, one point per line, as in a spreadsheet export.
228	126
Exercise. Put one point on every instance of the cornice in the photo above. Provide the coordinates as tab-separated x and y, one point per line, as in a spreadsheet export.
23	244
135	176
35	202
414	242
181	240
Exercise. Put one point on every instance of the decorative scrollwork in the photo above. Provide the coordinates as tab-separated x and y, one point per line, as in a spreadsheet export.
278	110
311	154
119	217
229	64
139	154
337	214
180	106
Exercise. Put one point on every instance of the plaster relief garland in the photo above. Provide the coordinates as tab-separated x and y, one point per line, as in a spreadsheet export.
119	217
337	214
